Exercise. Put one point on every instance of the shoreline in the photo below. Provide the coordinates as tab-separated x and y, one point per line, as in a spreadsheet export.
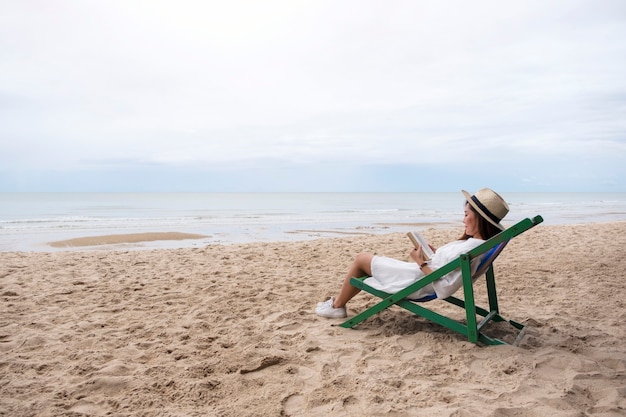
179	239
150	240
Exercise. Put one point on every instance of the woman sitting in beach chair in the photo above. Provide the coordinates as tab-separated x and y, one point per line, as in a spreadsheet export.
483	213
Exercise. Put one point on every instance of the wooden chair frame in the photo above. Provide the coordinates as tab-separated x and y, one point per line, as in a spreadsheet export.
472	329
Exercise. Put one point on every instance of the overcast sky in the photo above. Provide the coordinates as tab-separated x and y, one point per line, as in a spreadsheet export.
184	95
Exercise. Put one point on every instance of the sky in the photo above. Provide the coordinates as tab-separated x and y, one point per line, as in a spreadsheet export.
308	96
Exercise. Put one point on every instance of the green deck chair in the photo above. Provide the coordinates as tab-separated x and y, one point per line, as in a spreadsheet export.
472	329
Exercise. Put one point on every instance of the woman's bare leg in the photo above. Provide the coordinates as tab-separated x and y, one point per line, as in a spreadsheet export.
361	266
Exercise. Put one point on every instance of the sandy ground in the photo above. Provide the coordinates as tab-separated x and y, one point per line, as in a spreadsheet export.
230	331
126	238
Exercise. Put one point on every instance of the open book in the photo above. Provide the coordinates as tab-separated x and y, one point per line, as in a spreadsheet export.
417	240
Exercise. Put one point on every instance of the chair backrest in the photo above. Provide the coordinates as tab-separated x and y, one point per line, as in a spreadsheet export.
488	258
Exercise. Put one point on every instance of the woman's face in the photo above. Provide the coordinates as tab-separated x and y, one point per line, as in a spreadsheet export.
471	222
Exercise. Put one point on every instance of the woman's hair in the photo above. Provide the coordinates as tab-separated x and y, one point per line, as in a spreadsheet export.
486	229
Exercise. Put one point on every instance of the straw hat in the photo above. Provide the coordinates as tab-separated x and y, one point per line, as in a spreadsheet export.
489	205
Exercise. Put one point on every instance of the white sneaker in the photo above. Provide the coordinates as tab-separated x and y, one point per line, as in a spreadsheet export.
321	303
326	309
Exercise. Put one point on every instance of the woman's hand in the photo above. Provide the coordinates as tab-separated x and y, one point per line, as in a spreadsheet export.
417	255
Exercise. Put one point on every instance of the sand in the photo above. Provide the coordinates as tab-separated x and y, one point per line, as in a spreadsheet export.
230	331
126	238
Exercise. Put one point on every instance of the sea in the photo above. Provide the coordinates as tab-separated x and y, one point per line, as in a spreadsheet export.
30	221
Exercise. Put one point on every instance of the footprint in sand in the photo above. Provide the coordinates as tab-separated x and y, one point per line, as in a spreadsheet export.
294	405
87	408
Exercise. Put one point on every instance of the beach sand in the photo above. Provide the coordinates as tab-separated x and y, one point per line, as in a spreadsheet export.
127	238
230	331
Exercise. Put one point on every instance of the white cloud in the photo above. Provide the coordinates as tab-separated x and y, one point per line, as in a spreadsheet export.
192	83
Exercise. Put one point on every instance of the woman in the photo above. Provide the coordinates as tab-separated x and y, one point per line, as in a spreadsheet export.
483	213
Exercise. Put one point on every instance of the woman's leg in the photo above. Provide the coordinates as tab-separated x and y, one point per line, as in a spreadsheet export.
361	266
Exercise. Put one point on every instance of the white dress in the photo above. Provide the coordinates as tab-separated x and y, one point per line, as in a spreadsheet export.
391	275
